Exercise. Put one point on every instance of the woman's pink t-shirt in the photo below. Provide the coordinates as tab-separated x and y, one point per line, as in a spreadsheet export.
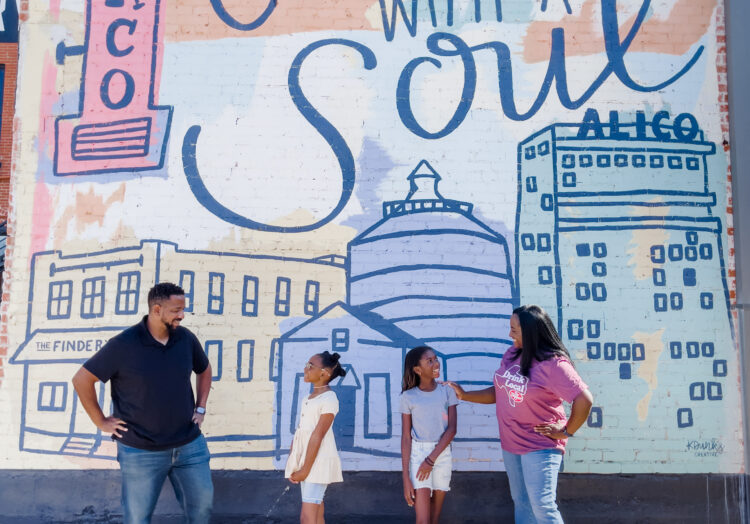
523	402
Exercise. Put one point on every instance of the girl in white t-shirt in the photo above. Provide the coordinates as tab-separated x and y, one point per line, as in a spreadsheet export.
428	418
313	459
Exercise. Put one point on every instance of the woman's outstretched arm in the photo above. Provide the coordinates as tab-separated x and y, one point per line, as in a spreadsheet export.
479	396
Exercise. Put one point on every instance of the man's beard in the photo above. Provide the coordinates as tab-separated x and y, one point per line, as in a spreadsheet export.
171	328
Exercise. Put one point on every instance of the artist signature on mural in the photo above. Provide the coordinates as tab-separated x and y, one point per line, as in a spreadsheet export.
706	448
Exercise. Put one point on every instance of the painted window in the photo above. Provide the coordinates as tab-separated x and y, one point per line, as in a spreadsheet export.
660	277
707	300
250	296
128	288
215	354
530	152
603	160
531	184
657	254
283	294
546	202
569	161
674	162
545	275
639	161
656	161
569	179
621	160
675	301
527	241
593	328
274	367
585	161
215	293
59	300
692	163
92	298
187	283
575	329
583	292
245	356
340	339
52	396
377	416
312	297
599	269
660	302
600	250
543	242
675	252
544	148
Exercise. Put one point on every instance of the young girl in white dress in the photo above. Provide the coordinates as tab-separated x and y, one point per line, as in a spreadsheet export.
313	458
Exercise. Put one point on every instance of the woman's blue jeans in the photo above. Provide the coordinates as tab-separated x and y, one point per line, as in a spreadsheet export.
144	473
533	485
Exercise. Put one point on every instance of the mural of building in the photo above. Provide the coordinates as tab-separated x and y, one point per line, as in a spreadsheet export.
615	217
236	310
429	272
267	156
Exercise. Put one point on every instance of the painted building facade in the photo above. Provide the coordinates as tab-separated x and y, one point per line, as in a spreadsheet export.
363	177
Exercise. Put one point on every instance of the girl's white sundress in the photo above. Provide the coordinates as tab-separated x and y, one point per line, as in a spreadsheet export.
327	466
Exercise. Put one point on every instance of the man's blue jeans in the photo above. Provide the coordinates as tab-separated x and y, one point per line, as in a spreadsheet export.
533	485
144	472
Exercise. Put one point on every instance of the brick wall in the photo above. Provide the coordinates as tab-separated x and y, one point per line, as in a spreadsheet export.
335	179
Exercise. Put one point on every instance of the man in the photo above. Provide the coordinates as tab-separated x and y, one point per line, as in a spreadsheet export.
156	420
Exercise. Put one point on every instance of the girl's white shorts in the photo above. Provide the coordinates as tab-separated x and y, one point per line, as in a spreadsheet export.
440	477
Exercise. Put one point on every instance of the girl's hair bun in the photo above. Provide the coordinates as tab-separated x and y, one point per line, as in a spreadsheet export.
332	361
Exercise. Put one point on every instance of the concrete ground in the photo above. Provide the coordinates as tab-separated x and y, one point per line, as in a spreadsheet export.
244	497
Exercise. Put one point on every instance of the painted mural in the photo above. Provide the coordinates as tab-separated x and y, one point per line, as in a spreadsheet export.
367	176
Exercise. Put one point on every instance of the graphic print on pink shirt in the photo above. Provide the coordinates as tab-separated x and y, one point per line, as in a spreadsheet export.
514	384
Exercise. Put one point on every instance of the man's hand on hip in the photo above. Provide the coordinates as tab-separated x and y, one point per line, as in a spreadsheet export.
113	425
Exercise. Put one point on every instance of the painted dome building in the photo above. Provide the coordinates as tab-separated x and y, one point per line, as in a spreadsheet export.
438	273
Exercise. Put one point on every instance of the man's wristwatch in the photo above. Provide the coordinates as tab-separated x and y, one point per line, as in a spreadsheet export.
564	430
200	410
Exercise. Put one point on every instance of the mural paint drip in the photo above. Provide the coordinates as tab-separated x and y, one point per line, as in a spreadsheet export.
379	177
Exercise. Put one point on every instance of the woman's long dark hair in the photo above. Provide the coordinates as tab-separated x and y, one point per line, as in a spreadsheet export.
411	379
540	339
331	361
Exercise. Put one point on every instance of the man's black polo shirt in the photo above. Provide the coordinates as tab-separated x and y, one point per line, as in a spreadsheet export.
151	385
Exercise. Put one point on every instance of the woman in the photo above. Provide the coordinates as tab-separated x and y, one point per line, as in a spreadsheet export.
536	375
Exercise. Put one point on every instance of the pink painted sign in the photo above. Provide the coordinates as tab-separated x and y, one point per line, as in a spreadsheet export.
118	128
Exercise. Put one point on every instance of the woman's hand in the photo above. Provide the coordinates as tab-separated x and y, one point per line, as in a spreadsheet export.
458	389
424	470
409	493
553	431
299	476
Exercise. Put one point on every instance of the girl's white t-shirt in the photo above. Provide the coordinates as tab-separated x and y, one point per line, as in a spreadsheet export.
327	466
